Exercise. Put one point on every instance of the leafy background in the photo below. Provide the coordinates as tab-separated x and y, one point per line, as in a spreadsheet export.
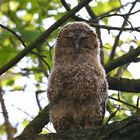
23	87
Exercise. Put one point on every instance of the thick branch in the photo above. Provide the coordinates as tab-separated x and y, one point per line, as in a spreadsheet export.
42	119
40	40
127	129
124	59
36	125
76	18
123	84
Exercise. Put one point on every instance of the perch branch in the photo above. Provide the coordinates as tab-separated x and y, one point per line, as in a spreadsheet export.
123	130
36	125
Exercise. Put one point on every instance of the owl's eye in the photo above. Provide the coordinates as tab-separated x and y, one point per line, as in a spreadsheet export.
68	37
83	37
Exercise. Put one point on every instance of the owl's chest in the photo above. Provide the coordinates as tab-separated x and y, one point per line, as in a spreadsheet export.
82	83
82	78
81	72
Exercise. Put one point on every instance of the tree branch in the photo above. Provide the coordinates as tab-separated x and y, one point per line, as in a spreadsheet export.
124	59
115	14
36	125
93	16
124	84
14	33
116	9
114	28
120	32
121	101
76	18
42	118
9	128
124	130
22	42
41	39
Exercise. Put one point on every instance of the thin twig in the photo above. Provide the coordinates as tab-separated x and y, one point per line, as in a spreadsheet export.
115	28
14	33
40	57
37	100
116	9
22	42
113	114
121	101
110	15
137	104
22	111
112	54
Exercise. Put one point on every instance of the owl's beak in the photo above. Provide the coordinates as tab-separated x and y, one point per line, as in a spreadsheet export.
76	43
77	46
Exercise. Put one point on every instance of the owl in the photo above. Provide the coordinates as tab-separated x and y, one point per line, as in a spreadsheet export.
77	88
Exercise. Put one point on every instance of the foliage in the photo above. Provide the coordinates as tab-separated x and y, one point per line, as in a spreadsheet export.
27	20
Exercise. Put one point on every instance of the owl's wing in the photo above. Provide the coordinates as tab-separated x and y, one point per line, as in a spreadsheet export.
54	87
104	97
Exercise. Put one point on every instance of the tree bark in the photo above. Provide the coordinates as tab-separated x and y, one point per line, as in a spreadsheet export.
127	129
124	84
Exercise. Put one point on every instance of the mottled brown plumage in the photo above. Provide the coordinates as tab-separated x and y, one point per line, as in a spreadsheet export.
77	89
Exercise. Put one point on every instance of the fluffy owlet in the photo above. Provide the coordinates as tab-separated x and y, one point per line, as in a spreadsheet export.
77	89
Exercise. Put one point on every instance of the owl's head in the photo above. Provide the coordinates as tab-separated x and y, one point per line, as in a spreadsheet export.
78	37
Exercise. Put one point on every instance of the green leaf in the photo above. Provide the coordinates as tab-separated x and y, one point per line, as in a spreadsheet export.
25	122
2	129
29	34
127	74
7	53
10	82
104	7
115	3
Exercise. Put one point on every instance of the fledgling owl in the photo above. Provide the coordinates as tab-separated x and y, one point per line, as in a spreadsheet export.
77	89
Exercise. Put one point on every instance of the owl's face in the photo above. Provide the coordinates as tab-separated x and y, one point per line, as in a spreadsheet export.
78	37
